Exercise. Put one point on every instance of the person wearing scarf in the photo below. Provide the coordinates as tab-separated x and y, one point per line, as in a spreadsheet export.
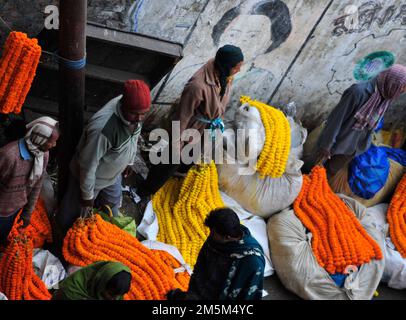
201	106
349	127
230	265
103	280
22	167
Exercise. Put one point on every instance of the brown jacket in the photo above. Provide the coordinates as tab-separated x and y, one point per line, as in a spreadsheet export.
201	97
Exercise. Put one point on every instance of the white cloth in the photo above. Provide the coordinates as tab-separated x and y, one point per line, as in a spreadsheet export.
149	227
395	265
39	132
48	268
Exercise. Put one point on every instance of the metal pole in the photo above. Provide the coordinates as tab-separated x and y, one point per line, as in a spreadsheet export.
72	46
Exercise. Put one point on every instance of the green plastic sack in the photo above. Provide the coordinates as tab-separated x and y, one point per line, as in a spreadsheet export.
125	223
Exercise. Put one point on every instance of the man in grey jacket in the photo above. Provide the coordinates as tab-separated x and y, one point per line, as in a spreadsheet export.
106	150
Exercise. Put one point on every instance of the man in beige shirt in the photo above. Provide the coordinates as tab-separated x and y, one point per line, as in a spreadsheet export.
201	106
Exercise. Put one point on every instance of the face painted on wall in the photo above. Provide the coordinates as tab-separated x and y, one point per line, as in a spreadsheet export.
252	33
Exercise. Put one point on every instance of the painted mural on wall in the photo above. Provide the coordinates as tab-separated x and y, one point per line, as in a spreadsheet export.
166	19
371	34
261	28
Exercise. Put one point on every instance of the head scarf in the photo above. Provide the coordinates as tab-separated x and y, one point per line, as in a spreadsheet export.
90	282
39	132
389	86
136	95
227	57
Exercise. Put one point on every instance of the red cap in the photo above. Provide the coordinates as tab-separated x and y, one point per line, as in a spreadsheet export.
136	95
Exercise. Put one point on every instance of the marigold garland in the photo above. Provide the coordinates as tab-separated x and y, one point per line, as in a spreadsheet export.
17	278
274	155
397	217
39	229
182	206
18	66
339	240
94	239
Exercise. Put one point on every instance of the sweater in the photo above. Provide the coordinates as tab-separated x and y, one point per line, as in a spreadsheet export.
15	192
106	148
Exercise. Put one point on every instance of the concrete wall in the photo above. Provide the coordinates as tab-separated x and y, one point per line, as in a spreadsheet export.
296	50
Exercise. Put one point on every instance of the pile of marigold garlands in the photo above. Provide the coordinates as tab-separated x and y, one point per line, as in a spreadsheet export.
339	240
274	155
397	217
18	66
93	239
182	206
17	278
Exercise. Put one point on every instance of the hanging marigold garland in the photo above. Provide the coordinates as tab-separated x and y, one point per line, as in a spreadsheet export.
182	206
17	278
93	239
397	217
274	155
339	240
18	66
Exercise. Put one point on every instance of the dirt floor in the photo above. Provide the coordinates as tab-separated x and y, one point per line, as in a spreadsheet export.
272	284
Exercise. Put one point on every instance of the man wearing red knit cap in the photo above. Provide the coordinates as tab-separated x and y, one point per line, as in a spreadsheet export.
106	149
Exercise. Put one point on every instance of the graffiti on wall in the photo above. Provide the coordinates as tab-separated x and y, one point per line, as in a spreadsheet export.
370	14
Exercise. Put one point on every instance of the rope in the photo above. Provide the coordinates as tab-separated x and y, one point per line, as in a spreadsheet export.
6	24
71	64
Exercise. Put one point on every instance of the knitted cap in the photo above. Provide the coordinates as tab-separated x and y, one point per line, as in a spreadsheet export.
229	56
136	95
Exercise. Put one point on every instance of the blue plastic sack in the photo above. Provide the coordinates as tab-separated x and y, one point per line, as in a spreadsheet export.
368	173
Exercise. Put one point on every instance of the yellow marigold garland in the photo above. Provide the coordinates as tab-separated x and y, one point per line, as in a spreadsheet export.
274	156
18	66
182	206
339	240
94	239
397	217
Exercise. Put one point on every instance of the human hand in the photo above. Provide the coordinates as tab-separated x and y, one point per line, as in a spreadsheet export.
86	203
128	172
322	156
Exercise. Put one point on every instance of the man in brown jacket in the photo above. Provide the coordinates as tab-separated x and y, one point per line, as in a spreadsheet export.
202	104
22	166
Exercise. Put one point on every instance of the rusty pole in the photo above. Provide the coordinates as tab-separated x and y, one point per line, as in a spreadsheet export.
72	51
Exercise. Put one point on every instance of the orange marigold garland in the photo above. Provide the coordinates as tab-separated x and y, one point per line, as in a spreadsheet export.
339	240
17	278
94	239
18	66
397	217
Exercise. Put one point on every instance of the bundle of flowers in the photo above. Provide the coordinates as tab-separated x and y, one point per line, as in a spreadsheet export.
18	66
39	229
17	278
397	217
274	156
182	206
339	240
94	239
181	275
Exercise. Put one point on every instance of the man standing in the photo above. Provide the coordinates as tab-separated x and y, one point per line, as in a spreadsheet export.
201	106
22	166
107	147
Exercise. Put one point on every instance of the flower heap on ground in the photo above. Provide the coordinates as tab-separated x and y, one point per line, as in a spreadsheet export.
397	217
339	240
18	66
17	278
274	155
94	239
182	206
